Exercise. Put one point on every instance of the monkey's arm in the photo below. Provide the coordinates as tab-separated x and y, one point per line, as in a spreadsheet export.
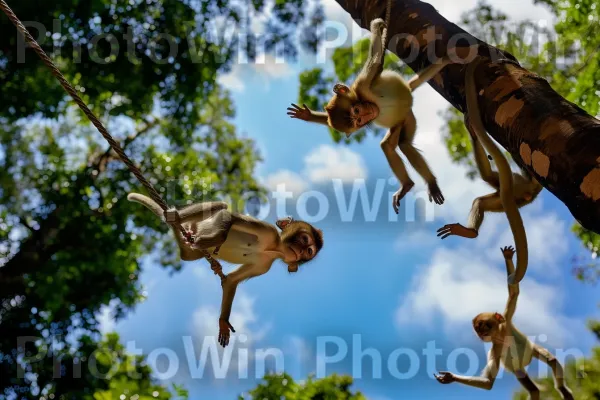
488	375
243	273
374	64
318	117
427	74
306	114
513	292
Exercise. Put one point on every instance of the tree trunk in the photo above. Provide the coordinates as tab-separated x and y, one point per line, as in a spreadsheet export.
553	139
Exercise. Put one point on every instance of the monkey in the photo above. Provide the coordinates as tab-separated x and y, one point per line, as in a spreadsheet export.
509	346
239	239
382	97
526	189
510	195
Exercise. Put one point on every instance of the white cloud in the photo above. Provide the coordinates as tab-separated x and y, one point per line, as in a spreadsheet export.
243	319
232	81
419	239
457	285
320	166
265	70
204	322
327	162
292	181
545	250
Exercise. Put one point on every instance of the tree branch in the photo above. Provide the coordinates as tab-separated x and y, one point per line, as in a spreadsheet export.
100	162
552	138
37	249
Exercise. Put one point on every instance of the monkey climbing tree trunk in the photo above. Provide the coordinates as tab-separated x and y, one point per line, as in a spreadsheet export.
555	140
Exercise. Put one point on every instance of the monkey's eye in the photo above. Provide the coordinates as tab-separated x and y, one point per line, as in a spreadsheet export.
310	252
305	239
358	120
356	110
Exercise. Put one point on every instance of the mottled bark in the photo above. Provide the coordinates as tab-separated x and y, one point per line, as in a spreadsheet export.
554	139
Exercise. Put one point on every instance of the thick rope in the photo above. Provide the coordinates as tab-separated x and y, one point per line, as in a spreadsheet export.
115	146
388	17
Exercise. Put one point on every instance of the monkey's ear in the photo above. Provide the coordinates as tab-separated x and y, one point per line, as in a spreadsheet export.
282	223
340	88
499	317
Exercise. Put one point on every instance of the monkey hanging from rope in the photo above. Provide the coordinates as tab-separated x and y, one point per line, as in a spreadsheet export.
384	98
239	239
510	347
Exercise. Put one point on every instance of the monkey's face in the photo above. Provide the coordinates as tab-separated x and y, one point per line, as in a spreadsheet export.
486	325
347	113
301	241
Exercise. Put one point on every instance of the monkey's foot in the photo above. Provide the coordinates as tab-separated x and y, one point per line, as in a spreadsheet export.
435	194
458	230
399	195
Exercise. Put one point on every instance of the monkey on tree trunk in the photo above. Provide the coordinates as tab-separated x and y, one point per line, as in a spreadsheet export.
510	347
384	98
526	189
510	195
239	239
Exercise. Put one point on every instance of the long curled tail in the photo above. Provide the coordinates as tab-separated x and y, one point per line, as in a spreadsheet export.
148	203
506	178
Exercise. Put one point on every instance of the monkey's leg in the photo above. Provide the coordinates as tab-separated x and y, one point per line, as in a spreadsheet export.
208	233
212	232
528	384
388	145
557	371
491	202
428	73
201	211
484	166
416	159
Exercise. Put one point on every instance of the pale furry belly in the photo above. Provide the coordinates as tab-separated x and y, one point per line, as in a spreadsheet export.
519	355
239	248
393	97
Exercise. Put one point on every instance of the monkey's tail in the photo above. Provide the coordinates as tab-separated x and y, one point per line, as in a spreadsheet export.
506	179
148	203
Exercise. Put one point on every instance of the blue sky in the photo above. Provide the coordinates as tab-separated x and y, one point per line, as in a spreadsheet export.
385	285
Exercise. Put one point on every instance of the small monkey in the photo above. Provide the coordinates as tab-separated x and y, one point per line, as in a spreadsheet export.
239	239
510	347
384	98
513	190
526	189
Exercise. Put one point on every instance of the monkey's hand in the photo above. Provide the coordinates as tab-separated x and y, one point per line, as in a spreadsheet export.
399	195
435	194
508	252
445	377
224	328
378	25
297	112
456	229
